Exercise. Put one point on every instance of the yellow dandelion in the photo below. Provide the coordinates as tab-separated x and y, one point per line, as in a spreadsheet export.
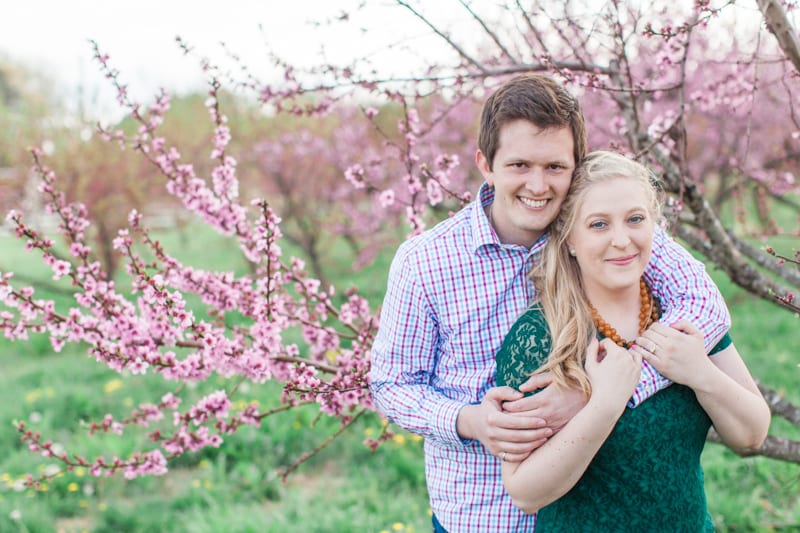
239	404
49	392
127	402
368	432
196	483
33	395
44	487
416	438
80	472
72	487
400	439
102	506
296	424
112	386
384	531
203	463
430	511
398	526
206	484
5	476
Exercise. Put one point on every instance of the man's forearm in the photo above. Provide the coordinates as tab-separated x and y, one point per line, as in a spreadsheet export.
419	409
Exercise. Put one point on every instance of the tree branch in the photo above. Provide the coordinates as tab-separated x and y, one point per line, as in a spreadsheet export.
780	406
461	51
773	448
489	32
779	25
722	250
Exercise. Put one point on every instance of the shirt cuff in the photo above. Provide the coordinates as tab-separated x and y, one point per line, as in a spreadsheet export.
445	427
649	383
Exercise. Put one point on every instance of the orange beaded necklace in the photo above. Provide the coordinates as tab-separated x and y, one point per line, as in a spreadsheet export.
648	314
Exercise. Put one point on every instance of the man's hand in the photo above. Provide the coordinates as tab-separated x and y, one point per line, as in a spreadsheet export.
556	405
511	436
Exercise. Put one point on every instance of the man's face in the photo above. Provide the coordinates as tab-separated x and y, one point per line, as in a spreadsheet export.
531	175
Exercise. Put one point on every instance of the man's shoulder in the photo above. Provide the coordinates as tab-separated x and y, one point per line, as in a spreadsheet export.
450	237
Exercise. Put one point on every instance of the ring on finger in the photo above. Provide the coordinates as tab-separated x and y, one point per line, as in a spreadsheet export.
503	456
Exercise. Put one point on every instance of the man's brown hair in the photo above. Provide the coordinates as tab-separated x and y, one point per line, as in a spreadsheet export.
537	99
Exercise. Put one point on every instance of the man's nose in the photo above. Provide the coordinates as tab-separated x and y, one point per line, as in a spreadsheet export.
536	181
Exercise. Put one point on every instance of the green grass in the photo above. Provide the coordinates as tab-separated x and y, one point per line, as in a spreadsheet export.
236	488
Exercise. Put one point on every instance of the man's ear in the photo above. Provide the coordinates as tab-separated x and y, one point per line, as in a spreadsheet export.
483	166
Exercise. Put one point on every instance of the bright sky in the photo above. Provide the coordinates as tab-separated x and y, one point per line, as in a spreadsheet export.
52	36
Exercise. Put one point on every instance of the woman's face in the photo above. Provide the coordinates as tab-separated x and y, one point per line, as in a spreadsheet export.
612	235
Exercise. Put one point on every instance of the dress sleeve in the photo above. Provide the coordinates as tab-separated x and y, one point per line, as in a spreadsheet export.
726	341
525	348
403	359
686	292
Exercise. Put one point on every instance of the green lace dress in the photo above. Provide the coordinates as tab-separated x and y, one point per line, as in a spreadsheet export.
646	476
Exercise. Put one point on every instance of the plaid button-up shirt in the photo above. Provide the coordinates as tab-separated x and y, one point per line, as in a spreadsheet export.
452	295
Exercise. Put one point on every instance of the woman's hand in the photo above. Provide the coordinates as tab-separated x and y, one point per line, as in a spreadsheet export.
677	352
613	372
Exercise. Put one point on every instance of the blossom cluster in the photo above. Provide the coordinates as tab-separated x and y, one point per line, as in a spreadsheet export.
154	330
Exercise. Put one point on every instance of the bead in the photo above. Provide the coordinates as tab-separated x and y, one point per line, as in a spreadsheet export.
648	314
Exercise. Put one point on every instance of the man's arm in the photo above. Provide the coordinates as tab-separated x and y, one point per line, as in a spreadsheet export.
686	292
404	359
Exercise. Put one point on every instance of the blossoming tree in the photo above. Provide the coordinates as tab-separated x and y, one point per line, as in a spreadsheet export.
698	108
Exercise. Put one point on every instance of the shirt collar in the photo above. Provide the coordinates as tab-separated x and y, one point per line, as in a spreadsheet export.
482	232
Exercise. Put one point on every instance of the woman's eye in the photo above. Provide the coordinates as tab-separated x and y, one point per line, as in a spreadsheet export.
636	219
597	225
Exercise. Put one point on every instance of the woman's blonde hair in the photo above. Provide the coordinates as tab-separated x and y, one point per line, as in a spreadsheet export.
557	275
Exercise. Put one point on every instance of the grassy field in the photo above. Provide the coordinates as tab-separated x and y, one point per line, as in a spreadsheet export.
346	487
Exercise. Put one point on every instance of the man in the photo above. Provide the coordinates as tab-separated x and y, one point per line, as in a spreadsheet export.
454	291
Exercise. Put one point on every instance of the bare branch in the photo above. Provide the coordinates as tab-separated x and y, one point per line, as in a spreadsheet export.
779	405
732	262
766	261
779	25
773	448
491	34
444	36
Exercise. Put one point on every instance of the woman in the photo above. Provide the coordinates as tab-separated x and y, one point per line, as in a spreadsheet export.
612	468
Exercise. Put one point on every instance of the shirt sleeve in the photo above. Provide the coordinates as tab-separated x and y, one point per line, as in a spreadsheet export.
687	292
404	355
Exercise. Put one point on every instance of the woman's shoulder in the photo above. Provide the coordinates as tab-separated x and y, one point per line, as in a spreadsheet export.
524	349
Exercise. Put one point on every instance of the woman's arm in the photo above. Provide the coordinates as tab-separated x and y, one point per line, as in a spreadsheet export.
553	469
731	398
722	383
